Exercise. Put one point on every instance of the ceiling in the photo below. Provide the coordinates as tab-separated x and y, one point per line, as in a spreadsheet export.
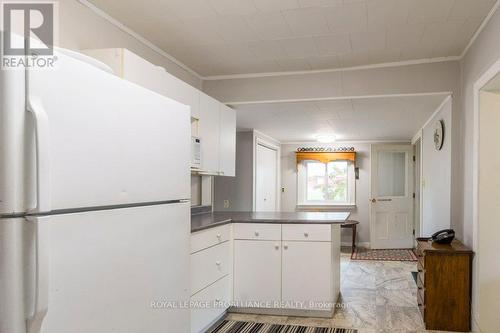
224	37
376	118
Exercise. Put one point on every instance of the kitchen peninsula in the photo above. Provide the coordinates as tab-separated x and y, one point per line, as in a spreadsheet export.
282	263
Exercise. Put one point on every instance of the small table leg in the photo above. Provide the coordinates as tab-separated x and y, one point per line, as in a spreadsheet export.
353	238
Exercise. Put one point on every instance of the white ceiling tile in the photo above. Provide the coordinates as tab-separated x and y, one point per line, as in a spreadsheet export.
236	29
387	12
368	40
188	9
267	49
430	11
402	34
299	47
269	25
275	5
347	18
319	3
324	62
306	22
333	44
233	7
293	64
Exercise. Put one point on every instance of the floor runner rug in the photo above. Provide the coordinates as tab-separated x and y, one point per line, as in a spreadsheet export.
384	255
229	326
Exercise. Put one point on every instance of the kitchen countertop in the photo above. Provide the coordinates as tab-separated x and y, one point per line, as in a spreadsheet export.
210	220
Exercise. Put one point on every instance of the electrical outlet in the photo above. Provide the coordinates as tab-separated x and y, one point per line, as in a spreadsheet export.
226	203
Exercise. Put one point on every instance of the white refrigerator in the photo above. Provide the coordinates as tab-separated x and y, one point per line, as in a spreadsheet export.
94	203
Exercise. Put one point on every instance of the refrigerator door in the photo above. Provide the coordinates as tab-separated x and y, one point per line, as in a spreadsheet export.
121	270
103	141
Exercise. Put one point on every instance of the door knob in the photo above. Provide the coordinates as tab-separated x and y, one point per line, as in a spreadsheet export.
257	233
285	246
374	200
306	234
277	246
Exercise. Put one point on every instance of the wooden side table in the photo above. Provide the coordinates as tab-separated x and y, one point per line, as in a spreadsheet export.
353	225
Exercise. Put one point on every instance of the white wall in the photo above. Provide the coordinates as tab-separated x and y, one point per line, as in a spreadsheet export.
80	28
484	52
488	274
361	213
436	175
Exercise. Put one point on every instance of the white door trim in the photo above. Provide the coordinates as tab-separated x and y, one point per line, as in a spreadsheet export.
488	75
258	140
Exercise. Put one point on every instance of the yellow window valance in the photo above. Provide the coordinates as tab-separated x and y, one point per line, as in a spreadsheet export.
325	157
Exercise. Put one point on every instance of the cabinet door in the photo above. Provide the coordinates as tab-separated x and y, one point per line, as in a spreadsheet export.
227	146
257	272
208	131
307	275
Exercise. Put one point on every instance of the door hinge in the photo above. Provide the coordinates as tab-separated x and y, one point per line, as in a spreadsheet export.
414	158
413	232
413	195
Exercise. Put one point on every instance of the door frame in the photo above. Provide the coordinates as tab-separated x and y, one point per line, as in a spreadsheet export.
487	76
408	186
268	143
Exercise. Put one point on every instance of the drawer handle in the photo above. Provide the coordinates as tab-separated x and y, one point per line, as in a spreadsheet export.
218	263
219	236
285	246
419	304
420	288
420	271
277	246
257	233
217	300
306	234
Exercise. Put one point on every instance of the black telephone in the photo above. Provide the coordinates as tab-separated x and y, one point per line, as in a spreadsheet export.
445	236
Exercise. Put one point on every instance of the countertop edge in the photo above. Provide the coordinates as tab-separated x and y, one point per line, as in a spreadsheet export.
268	221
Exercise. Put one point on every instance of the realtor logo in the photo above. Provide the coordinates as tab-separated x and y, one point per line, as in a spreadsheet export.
29	34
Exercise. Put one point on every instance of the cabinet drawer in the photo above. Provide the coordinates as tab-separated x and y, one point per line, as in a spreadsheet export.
307	232
421	305
421	272
257	231
203	239
209	304
209	265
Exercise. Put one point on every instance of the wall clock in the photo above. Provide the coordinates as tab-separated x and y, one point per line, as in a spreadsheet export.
439	134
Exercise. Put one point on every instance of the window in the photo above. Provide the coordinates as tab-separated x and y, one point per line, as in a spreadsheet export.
326	184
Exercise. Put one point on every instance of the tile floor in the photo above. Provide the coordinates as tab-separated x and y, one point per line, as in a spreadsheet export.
376	297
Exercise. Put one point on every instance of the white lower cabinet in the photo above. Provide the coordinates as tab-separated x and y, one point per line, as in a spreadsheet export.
257	273
210	304
307	275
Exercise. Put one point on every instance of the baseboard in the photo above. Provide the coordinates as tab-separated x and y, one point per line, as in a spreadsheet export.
285	312
360	244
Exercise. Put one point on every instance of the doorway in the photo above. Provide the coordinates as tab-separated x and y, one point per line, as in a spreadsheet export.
417	180
266	177
487	187
391	212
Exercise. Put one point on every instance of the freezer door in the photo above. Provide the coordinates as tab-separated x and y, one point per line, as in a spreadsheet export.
124	270
104	141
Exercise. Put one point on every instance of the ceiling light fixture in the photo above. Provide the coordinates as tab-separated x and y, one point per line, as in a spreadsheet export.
326	138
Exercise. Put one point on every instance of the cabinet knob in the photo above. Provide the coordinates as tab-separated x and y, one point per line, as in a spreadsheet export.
257	233
306	234
219	236
277	246
218	263
285	246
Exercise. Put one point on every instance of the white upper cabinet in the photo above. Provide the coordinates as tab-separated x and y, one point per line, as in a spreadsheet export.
227	154
208	131
216	122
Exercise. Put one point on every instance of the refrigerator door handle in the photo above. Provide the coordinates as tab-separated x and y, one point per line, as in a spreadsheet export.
42	262
42	154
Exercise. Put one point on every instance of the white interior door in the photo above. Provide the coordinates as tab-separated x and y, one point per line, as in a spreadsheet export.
266	173
103	271
391	197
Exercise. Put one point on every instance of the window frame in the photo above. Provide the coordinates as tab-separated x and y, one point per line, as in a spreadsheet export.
302	201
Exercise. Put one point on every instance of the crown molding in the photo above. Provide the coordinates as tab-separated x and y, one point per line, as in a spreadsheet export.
138	37
340	69
480	29
438	93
